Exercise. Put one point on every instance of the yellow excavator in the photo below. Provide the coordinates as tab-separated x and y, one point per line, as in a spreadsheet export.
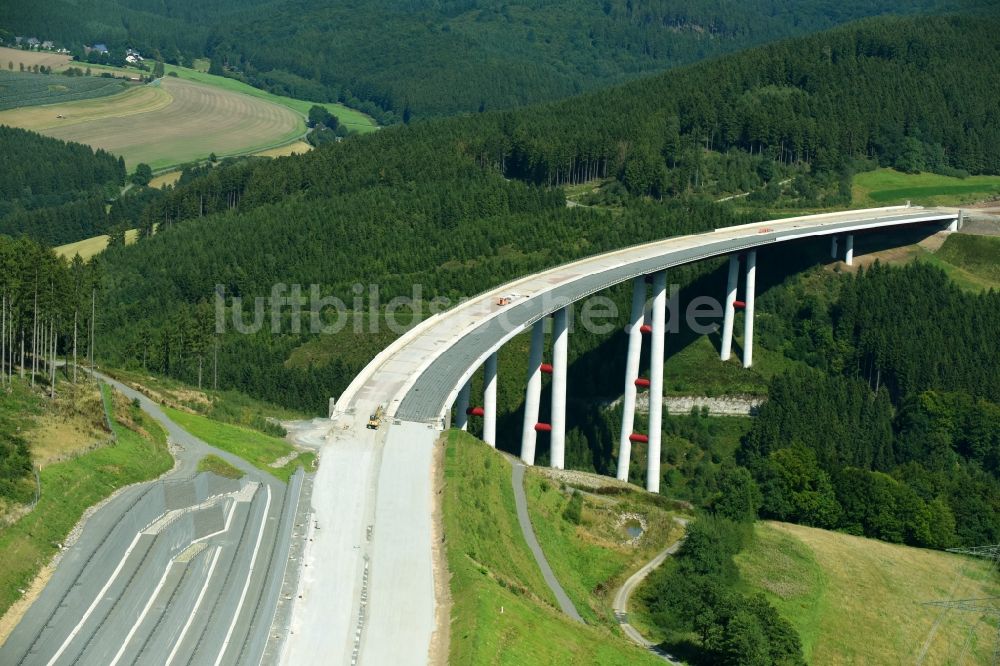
375	420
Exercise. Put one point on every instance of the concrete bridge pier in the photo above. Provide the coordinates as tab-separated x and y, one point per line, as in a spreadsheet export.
462	406
658	335
730	311
560	349
849	255
533	394
833	247
631	375
490	401
748	305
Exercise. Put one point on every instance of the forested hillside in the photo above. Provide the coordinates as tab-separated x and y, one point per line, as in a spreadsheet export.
402	59
898	435
462	204
54	191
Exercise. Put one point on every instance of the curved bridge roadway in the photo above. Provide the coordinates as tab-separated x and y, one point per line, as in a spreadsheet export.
367	594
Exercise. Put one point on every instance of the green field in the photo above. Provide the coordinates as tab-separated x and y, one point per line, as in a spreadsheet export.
590	559
255	447
19	89
68	488
859	601
885	187
166	123
978	257
219	467
502	611
352	118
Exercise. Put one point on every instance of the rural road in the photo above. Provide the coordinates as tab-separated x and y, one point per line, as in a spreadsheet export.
521	502
620	605
183	569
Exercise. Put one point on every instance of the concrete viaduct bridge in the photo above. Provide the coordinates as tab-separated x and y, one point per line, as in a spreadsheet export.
425	374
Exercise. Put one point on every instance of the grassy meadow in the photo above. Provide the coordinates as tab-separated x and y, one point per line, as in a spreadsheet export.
860	601
219	467
502	611
353	119
255	447
591	559
197	120
887	187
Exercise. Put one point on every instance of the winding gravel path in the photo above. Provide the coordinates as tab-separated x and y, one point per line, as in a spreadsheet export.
521	501
620	605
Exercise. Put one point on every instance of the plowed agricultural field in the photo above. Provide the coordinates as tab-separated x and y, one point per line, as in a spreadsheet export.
32	58
166	124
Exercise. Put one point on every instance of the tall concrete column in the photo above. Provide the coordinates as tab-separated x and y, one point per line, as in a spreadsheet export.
462	406
533	394
631	374
730	312
490	401
833	247
849	255
658	336
751	286
560	347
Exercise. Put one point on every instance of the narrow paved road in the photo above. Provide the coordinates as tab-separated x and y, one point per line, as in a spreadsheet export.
620	605
521	501
182	569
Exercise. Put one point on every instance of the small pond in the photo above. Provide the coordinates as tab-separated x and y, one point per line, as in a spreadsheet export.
633	529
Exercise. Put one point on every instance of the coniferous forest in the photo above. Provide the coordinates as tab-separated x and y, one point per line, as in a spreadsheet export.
54	191
885	419
461	204
398	60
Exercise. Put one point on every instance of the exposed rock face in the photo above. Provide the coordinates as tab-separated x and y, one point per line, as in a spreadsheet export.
730	405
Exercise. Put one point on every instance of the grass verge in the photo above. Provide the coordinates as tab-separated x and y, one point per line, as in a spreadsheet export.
68	488
219	467
255	447
976	256
860	601
502	611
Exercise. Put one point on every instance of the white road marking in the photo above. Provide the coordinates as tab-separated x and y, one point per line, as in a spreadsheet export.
197	605
97	600
246	585
142	615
